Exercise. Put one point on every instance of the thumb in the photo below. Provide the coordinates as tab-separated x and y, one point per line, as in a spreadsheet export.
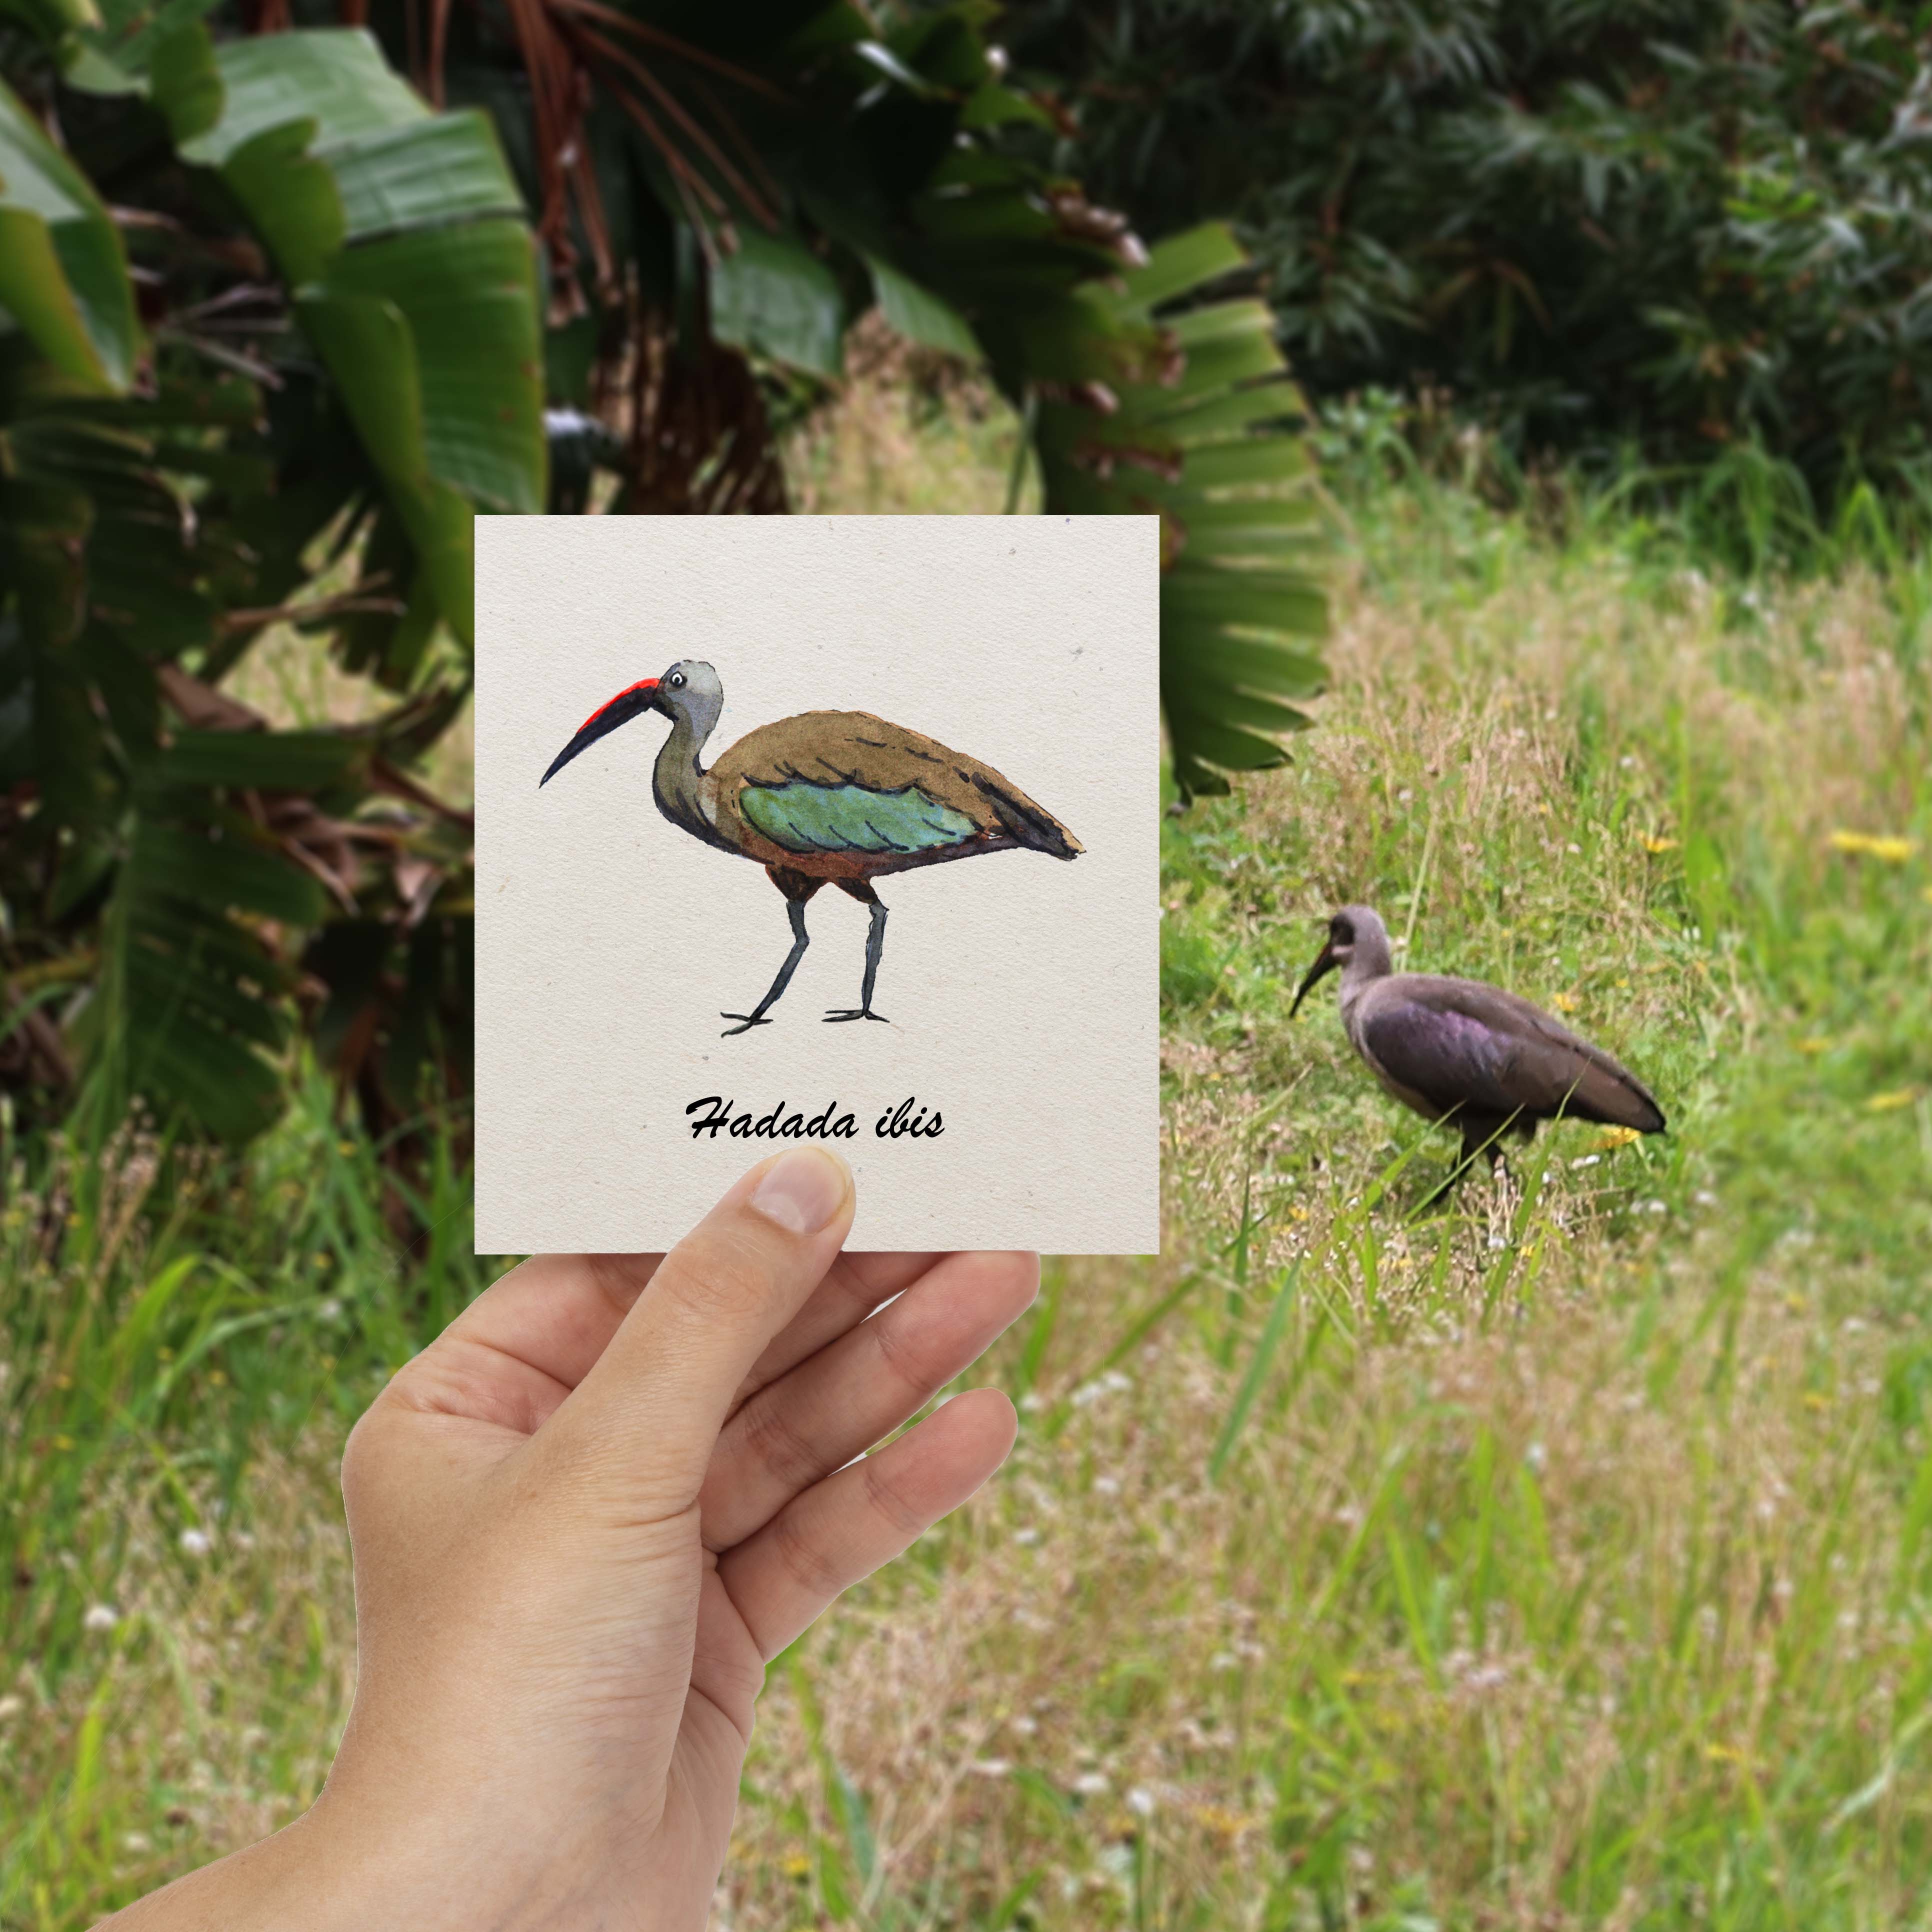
646	1417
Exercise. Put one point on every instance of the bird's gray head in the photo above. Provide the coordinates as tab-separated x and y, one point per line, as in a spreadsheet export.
690	693
1357	943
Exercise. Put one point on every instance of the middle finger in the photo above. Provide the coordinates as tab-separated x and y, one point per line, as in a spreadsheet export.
840	1401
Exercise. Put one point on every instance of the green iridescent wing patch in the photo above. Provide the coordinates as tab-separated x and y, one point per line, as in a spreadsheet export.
805	817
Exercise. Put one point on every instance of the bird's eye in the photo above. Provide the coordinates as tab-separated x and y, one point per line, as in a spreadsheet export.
677	680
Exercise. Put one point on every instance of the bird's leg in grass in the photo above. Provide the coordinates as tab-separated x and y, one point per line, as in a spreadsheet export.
875	944
1483	1136
797	889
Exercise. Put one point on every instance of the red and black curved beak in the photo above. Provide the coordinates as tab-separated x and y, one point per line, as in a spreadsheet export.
630	702
1325	963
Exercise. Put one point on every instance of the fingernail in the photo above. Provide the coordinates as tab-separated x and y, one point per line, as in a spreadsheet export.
804	1191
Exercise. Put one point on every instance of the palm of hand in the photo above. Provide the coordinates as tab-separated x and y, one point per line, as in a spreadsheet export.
589	1514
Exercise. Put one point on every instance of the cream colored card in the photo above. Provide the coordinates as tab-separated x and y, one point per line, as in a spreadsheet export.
930	745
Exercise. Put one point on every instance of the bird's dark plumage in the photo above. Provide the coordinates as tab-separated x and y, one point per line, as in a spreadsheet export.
1464	1050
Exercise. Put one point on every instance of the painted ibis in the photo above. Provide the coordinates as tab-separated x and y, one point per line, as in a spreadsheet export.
1460	1050
837	798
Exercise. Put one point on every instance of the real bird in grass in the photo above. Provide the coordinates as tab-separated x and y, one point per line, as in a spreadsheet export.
837	798
1466	1051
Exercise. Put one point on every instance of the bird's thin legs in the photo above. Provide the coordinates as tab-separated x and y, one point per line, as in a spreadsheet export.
801	939
1478	1137
875	944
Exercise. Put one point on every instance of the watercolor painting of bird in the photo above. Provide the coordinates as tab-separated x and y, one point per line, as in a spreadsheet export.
1466	1052
836	798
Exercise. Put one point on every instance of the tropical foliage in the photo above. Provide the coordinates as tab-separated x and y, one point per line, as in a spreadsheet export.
309	326
1686	223
281	324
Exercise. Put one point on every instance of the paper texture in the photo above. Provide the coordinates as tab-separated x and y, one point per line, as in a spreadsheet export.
1022	989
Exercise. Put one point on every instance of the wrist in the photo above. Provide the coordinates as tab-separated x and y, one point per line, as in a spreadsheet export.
310	1877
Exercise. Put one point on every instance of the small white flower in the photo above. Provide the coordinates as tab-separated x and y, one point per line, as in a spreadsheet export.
1705	1197
1024	1726
101	1617
196	1542
328	1308
1031	1403
136	1841
1029	1536
1140	1802
1092	1784
1587	1160
1536	1455
11	1706
1221	1660
1106	1486
990	1767
1655	1207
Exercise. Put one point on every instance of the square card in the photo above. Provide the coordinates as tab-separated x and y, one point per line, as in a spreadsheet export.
838	827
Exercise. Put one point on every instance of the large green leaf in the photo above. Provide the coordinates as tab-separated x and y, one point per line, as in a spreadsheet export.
63	274
920	315
772	294
1217	453
401	234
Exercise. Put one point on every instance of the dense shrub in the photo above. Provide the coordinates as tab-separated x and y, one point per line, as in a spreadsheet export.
1689	223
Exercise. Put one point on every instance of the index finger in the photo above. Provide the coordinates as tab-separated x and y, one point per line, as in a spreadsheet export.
643	1422
528	1339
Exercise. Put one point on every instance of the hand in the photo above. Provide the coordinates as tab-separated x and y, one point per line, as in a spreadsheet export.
583	1519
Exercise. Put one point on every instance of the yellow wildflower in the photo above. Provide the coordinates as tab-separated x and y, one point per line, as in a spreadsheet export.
1616	1137
1894	851
1566	1003
1813	1399
1814	1042
1657	841
798	1866
1886	1103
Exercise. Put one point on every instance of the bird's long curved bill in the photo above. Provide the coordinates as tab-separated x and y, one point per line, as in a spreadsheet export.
601	722
1325	963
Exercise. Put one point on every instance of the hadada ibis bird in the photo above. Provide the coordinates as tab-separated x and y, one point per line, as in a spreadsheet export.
836	798
1462	1051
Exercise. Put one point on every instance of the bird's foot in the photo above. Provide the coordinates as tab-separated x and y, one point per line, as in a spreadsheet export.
855	1013
747	1021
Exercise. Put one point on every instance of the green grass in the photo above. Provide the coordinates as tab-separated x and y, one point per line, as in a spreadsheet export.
1565	1560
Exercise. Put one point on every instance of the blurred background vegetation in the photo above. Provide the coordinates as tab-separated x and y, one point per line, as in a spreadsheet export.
1563	1562
1602	229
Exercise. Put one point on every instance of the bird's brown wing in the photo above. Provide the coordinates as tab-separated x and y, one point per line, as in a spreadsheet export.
853	750
1460	1043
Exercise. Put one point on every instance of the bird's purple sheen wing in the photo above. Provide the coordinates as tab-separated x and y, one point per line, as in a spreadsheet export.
1449	1058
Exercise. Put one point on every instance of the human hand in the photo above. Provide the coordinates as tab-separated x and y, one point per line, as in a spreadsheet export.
583	1519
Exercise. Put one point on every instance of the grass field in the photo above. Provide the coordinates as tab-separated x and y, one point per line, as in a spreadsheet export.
1562	1560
